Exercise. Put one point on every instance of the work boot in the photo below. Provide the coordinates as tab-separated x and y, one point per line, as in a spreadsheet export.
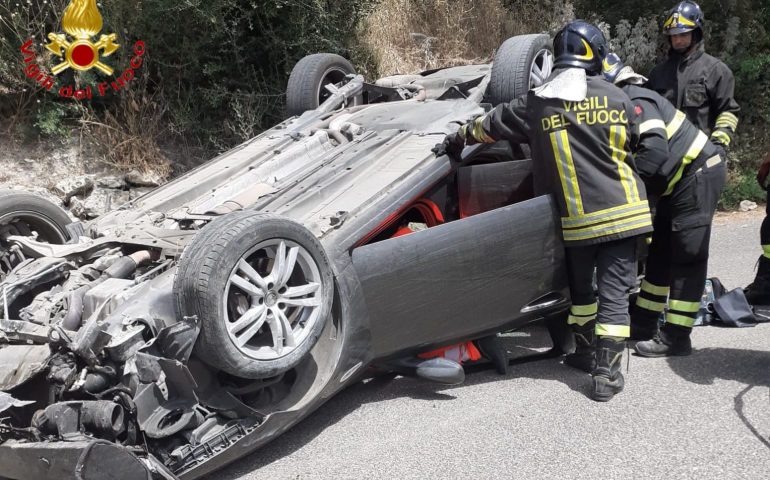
758	292
585	344
492	349
644	323
607	379
671	340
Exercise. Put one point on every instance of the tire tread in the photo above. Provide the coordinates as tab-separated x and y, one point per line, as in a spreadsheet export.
197	285
511	67
304	78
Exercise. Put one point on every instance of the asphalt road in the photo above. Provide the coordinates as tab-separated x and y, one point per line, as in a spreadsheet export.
699	417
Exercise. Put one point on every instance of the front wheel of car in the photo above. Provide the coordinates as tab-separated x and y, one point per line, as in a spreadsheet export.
262	288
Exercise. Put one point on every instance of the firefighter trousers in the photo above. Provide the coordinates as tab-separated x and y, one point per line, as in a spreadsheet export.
677	260
615	264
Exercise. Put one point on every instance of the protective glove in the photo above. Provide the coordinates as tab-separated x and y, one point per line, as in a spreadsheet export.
453	146
764	169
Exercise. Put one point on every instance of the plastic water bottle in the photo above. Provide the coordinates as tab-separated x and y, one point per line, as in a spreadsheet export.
704	316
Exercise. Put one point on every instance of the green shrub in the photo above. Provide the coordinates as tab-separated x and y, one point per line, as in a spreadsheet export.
54	119
204	59
224	59
215	71
752	86
741	185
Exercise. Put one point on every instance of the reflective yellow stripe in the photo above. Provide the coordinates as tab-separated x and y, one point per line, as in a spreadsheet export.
606	214
567	173
619	154
645	127
577	320
726	121
627	219
681	320
650	305
623	331
673	125
610	229
683	306
766	250
721	136
565	184
573	173
655	289
479	133
692	153
583	310
727	117
726	124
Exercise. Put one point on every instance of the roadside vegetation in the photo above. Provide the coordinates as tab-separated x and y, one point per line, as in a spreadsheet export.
214	71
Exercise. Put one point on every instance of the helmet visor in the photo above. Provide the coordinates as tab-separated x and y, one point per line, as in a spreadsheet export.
678	30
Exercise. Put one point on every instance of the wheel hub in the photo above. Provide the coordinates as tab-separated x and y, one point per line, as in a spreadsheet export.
271	299
282	302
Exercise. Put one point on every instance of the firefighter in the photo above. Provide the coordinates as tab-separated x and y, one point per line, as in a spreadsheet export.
684	175
758	293
577	126
696	83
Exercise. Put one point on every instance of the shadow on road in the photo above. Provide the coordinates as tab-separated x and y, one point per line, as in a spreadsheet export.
749	367
705	365
387	387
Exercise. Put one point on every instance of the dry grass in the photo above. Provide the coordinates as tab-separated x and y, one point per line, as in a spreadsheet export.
409	36
128	136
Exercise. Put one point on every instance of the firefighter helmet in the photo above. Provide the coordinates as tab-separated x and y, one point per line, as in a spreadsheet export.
616	72
580	44
611	67
685	17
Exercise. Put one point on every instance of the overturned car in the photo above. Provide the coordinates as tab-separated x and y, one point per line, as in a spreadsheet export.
191	326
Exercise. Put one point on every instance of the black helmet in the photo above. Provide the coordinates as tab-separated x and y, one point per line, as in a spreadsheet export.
685	17
616	72
580	44
611	67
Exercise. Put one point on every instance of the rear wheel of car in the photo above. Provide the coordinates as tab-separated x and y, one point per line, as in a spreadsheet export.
262	288
521	63
308	80
27	214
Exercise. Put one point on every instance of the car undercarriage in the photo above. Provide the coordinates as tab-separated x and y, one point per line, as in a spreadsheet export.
191	326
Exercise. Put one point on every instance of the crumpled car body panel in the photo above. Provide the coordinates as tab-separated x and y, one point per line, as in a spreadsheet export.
352	176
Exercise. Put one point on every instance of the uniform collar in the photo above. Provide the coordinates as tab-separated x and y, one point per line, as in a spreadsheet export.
680	59
568	84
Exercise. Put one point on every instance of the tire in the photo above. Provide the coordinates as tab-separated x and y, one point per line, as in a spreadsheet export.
305	90
516	66
204	286
25	212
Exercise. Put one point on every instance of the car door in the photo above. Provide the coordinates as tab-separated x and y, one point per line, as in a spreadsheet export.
460	279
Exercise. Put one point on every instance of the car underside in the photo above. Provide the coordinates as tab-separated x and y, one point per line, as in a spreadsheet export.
187	328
